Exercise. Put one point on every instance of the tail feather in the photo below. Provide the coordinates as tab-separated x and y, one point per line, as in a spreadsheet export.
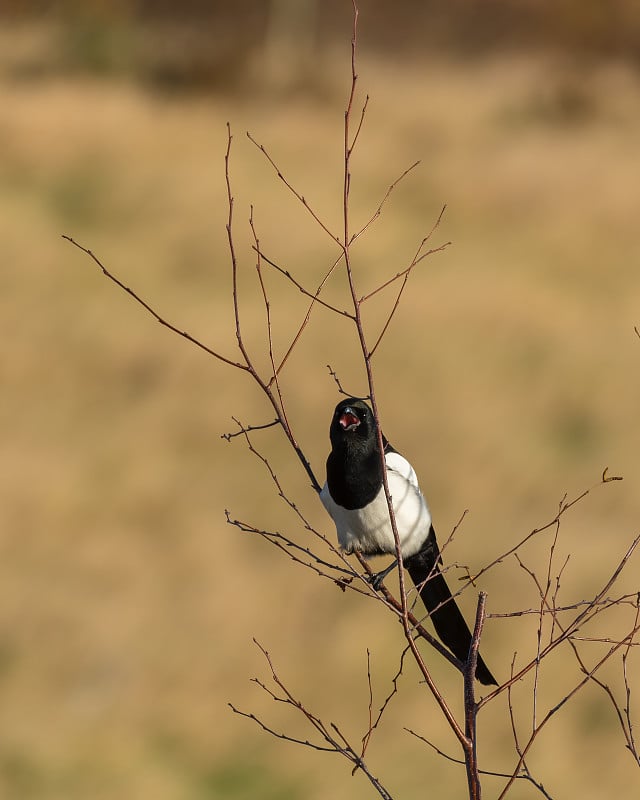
447	618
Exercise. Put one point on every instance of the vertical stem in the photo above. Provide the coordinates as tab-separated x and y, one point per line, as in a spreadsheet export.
470	707
366	355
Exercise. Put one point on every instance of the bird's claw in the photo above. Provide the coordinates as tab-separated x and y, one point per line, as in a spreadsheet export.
376	580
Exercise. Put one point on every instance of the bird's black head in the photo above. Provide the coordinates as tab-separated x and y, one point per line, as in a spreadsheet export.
354	466
353	423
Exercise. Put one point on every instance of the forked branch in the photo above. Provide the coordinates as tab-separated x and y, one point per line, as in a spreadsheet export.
331	738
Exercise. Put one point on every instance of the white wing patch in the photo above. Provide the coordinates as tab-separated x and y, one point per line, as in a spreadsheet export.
397	463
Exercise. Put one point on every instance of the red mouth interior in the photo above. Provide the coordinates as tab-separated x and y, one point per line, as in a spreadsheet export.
349	420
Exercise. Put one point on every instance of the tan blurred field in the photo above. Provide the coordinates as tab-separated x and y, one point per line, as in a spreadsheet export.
510	376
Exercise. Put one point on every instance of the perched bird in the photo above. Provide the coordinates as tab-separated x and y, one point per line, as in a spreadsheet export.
354	497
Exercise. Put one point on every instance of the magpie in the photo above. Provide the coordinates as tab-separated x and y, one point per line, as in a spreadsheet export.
354	497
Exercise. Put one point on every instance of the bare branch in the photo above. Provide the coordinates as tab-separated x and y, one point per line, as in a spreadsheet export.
554	710
293	190
307	316
341	389
232	250
470	707
367	736
556	623
374	723
396	303
563	507
490	773
592	609
403	611
169	325
623	599
345	577
378	211
628	729
331	744
417	258
267	306
243	430
359	128
315	296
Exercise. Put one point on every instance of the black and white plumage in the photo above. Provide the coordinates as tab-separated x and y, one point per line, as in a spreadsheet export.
355	498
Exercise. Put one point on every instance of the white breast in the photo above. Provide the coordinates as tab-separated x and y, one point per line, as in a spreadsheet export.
369	529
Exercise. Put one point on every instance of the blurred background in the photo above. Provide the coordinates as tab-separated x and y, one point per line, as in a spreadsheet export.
509	376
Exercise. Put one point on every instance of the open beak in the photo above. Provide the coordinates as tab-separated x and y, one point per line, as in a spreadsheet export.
349	420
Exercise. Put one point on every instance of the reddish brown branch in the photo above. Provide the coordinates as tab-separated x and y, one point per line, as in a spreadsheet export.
554	710
339	745
592	608
307	315
165	323
293	190
470	708
315	296
563	507
376	214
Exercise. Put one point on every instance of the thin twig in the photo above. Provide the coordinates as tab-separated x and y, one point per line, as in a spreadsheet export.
554	710
631	742
293	190
341	389
378	210
592	609
564	507
489	773
339	745
243	430
169	325
367	736
345	578
315	296
470	707
307	316
417	258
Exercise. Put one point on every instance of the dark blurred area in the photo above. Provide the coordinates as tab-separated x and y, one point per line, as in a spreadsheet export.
214	44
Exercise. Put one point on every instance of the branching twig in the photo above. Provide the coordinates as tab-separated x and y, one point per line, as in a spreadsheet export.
315	296
554	710
345	577
307	316
339	745
165	323
293	190
378	210
243	431
592	608
405	278
341	389
470	707
488	772
557	623
564	506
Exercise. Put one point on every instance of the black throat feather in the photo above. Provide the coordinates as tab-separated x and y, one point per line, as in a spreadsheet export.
354	472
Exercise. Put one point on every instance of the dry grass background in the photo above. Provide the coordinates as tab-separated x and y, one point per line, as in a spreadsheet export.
127	605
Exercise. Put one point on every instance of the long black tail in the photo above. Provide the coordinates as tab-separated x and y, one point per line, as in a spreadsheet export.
447	619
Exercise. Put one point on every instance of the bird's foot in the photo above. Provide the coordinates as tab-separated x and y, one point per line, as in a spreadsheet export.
376	580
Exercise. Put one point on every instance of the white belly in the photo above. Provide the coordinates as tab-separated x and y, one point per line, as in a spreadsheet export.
368	529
